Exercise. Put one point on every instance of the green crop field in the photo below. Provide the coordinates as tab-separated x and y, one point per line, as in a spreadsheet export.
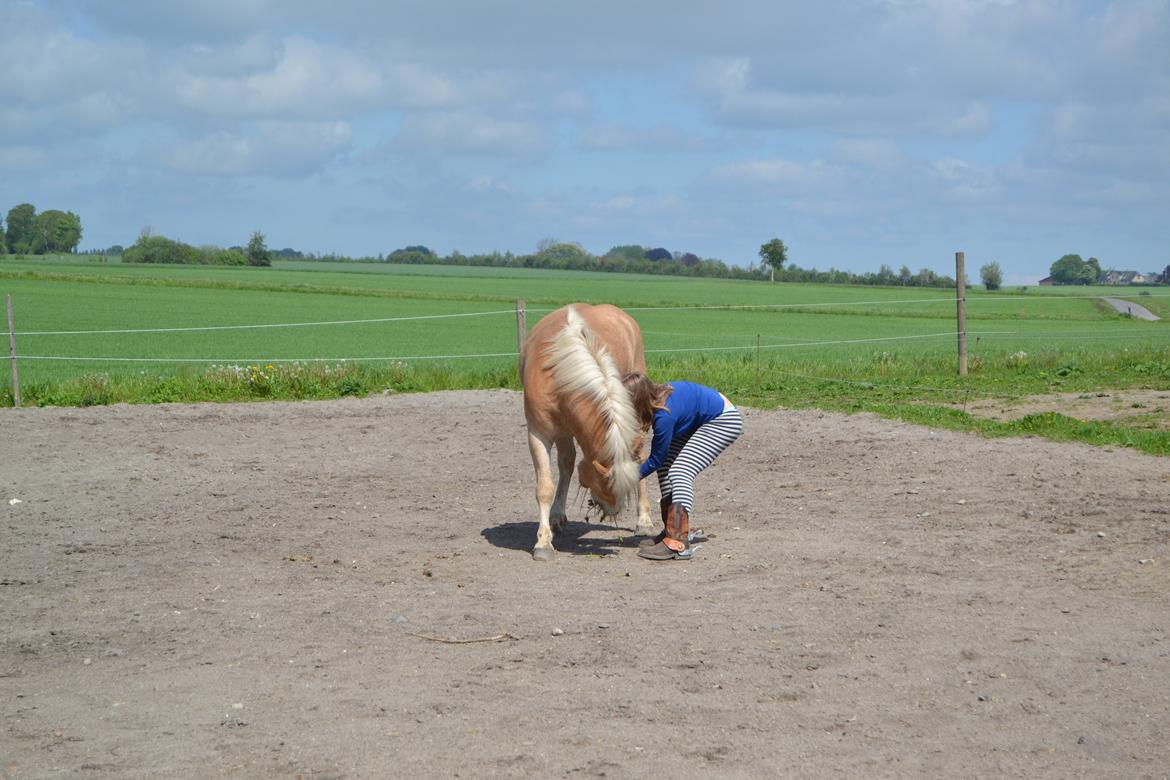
309	329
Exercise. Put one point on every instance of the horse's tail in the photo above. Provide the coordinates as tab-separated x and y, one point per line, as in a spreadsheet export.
583	365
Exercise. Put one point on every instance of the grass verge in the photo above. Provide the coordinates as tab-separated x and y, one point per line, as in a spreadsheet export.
913	390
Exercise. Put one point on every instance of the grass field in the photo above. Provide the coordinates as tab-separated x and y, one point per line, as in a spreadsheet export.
246	333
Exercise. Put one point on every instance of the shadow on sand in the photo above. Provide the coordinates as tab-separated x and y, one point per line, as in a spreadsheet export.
576	539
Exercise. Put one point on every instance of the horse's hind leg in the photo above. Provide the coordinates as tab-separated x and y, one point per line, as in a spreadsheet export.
566	459
541	452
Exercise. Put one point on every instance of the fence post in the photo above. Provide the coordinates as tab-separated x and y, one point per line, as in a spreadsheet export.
521	325
12	352
961	310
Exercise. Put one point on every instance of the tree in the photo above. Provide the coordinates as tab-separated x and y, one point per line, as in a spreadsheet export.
775	255
3	239
257	251
157	249
628	252
1164	277
22	228
1071	269
1093	270
416	254
991	275
216	256
658	253
562	256
57	231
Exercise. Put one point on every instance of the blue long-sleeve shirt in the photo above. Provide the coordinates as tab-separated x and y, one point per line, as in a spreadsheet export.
689	406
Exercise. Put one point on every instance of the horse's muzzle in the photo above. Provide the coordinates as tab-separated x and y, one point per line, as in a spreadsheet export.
600	508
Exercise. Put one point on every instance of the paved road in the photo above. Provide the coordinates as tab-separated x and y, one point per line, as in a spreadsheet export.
1132	309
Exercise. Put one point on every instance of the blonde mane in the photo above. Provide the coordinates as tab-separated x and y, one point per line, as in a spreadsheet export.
583	366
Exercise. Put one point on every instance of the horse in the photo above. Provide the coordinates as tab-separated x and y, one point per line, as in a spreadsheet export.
571	366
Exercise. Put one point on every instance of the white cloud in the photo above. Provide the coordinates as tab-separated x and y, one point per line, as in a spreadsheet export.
183	19
608	137
641	205
471	132
964	180
43	63
874	153
572	102
306	79
722	76
976	120
734	99
777	171
488	185
892	109
276	149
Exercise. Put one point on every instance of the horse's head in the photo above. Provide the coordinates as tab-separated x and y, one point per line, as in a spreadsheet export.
594	476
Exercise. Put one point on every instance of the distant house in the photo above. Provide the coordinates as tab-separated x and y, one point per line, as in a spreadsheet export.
1046	280
1125	277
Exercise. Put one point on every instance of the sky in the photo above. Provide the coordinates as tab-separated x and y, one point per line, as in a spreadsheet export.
860	132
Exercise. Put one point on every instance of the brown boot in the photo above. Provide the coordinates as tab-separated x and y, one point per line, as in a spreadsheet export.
674	544
650	541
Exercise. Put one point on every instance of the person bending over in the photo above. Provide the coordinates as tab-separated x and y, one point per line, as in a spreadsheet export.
692	424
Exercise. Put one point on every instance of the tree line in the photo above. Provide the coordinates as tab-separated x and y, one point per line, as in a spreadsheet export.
635	258
150	248
25	232
1073	269
28	232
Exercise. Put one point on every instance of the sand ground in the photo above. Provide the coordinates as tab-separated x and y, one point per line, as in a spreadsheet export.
255	590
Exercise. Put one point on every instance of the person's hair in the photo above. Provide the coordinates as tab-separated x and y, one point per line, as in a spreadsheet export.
646	396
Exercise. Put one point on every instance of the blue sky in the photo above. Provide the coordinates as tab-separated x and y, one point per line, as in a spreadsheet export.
863	132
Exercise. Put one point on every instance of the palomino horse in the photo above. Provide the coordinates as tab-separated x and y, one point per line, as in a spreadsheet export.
571	365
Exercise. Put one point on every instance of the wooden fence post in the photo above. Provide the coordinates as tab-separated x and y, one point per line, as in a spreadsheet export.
521	325
961	310
12	352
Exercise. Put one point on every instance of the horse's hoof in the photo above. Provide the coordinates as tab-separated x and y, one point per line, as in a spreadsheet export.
645	529
543	554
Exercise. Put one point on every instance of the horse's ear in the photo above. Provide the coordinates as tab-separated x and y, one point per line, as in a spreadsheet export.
602	469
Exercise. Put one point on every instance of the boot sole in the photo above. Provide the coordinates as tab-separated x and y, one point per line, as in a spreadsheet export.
660	552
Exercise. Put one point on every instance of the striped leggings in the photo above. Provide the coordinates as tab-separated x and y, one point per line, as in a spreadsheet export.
687	457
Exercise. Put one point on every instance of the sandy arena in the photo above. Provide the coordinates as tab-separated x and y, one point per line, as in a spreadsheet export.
257	590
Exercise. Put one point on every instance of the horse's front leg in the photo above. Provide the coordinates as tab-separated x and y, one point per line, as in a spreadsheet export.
541	450
646	524
566	459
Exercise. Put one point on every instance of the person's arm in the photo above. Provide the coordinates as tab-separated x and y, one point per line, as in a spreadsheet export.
659	445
